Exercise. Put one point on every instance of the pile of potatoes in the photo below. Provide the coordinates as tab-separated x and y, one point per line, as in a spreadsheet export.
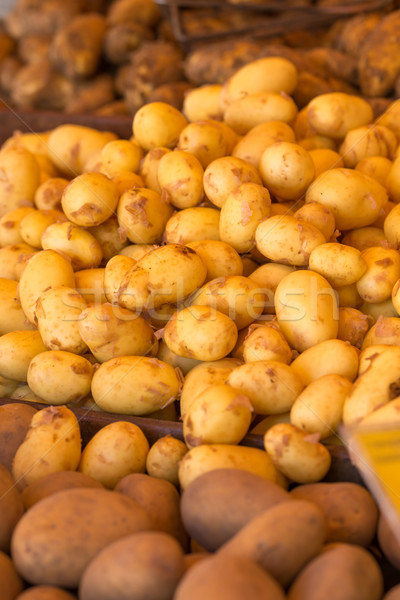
117	520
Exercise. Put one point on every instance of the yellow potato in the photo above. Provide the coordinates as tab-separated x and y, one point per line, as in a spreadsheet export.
391	227
317	142
269	74
319	407
334	114
115	270
12	317
110	331
367	141
180	176
271	386
58	311
17	349
220	414
392	181
120	155
149	168
163	458
249	111
137	251
90	284
236	296
318	215
202	102
48	194
377	167
374	311
266	343
90	199
202	376
11	259
338	263
365	237
125	180
296	453
223	175
52	443
383	270
75	242
10	226
134	385
200	332
34	224
60	377
158	124
20	179
219	258
251	146
208	457
207	140
389	118
385	331
116	450
286	170
328	357
143	214
180	362
244	208
306	309
284	239
165	275
192	224
353	325
354	198
325	159
267	278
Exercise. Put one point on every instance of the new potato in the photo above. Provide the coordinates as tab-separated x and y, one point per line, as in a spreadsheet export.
224	175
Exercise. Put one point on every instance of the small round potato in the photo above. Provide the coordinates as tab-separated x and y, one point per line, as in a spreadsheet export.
353	325
202	102
20	179
10	226
296	453
163	458
120	155
220	259
225	174
271	386
134	385
17	349
48	194
13	259
377	167
383	270
115	270
251	146
286	170
328	357
207	140
192	224
116	450
243	210
158	124
12	317
249	111
338	263
266	343
318	215
90	284
75	242
180	176
90	199
367	141
284	239
365	237
324	159
143	214
126	180
34	224
336	113
149	168
220	414
201	332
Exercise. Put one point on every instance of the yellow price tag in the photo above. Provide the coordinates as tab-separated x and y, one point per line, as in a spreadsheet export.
376	453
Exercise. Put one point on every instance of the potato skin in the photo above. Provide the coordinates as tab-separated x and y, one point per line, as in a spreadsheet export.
45	592
159	566
11	582
204	503
15	419
80	518
56	482
360	576
282	539
12	508
228	578
388	542
349	509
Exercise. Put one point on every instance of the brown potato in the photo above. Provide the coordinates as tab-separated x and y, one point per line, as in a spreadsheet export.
11	582
45	592
12	508
158	567
350	511
341	563
393	594
282	539
228	578
388	542
204	504
55	482
45	542
160	499
15	419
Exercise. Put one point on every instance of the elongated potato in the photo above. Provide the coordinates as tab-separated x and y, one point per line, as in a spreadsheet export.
180	176
339	264
328	357
249	111
12	317
143	214
220	258
192	224
75	242
383	270
251	146
21	178
286	170
115	270
17	349
336	113
202	102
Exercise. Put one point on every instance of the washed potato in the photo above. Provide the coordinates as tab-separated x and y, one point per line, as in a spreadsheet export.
115	270
339	264
354	198
251	146
207	140
244	208
266	342
286	170
366	141
10	226
125	180
365	237
318	215
113	452
166	275
143	214
52	443
220	414
202	102
90	199
149	168
223	175
383	270
137	251
90	284
12	258
176	361
120	155
306	309
296	453
17	349
336	113
134	385
220	258
163	458
327	357
271	386
377	167
74	242
200	332
202	376
34	224
110	331
57	313
191	225
180	176
21	178
319	407
250	110
158	124
12	317
269	74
